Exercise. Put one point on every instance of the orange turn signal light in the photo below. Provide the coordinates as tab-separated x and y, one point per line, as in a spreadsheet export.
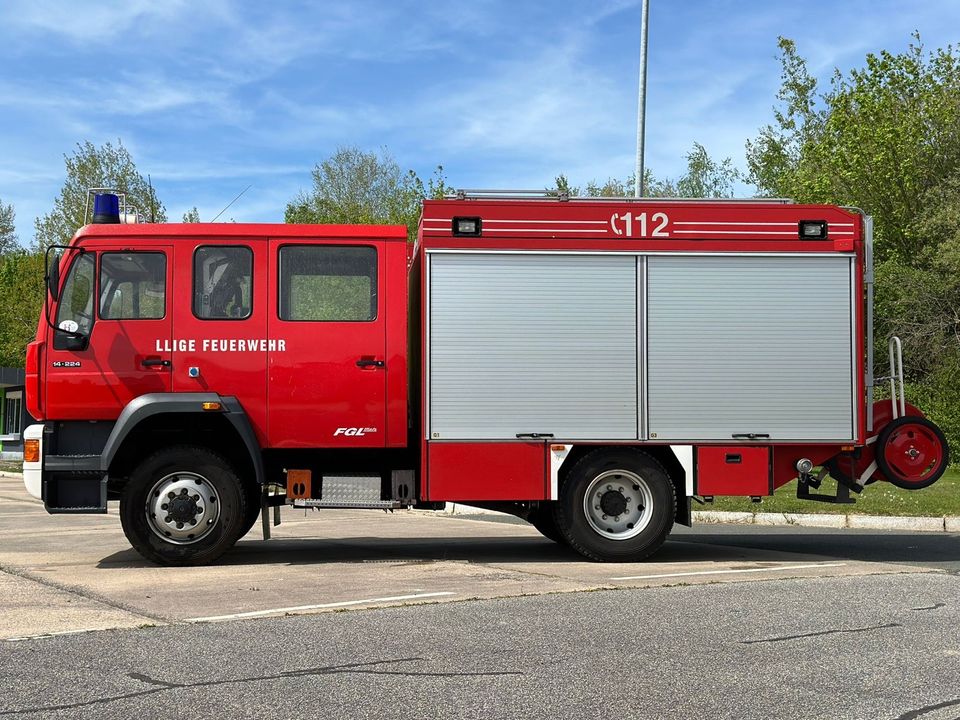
211	406
846	448
31	451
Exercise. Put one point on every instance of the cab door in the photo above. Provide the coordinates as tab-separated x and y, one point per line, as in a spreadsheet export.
327	344
118	298
220	328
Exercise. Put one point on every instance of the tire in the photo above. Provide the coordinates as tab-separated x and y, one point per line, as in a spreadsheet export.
253	512
616	480
212	497
544	520
912	452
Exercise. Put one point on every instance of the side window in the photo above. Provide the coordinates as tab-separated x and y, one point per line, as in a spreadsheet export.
75	307
12	412
328	283
222	283
133	285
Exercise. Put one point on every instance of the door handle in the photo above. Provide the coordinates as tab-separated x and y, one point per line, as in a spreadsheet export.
362	362
155	362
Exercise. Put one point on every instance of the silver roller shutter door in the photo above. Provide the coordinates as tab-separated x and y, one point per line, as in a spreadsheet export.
532	343
749	344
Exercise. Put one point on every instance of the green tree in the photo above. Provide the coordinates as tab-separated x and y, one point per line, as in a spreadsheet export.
8	230
192	215
704	178
880	139
108	166
354	186
22	287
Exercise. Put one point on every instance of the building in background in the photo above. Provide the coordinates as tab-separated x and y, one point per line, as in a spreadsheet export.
13	413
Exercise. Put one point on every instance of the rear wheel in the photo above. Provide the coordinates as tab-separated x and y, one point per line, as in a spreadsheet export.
183	506
544	520
616	505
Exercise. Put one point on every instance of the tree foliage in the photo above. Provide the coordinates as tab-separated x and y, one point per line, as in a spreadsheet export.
704	178
880	138
108	166
8	230
192	215
355	186
22	288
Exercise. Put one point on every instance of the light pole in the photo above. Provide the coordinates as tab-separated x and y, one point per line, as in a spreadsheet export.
642	99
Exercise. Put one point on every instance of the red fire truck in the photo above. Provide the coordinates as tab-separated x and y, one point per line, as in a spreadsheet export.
590	365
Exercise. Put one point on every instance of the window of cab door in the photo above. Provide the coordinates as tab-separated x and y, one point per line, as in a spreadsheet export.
327	283
133	285
222	282
75	311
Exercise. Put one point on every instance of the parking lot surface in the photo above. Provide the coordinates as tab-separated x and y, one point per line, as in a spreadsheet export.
76	573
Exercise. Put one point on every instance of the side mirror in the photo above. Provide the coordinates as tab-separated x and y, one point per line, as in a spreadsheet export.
53	276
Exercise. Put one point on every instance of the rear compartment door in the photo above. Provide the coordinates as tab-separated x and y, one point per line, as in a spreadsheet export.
740	345
532	343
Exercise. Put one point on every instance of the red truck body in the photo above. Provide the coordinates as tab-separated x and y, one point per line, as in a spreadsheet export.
521	346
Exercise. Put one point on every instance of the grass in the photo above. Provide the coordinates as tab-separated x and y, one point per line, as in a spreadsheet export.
11	466
880	498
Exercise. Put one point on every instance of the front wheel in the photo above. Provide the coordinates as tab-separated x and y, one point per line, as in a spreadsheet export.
183	506
616	505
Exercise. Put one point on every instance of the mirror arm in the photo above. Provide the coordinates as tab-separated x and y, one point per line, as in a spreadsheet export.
50	293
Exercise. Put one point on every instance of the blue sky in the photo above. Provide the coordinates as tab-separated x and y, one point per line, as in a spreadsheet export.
216	95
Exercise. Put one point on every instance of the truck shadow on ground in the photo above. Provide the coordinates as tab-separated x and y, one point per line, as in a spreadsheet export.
935	550
931	549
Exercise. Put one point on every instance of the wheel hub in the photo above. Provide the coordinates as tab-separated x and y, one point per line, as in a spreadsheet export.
182	508
617	504
612	502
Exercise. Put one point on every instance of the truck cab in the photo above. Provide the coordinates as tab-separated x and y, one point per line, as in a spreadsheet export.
249	341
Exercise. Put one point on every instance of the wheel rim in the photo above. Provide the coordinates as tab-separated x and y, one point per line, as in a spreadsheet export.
182	508
914	452
618	504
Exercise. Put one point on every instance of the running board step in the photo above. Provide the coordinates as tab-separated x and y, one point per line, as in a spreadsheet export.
370	505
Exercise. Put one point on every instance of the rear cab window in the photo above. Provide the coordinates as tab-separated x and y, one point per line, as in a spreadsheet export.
324	283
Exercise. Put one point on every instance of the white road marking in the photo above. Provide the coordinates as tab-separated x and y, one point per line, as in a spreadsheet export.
297	608
730	572
40	636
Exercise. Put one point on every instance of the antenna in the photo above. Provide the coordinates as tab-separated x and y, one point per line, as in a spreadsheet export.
153	203
231	203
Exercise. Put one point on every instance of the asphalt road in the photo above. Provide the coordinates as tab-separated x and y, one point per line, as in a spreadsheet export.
863	647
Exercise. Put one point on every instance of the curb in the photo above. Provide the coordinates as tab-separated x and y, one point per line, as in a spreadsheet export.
947	523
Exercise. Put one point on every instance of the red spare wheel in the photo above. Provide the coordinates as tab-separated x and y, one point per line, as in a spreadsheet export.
839	465
912	452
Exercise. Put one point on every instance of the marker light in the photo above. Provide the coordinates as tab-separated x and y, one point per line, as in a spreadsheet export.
106	209
813	229
466	227
31	451
211	406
